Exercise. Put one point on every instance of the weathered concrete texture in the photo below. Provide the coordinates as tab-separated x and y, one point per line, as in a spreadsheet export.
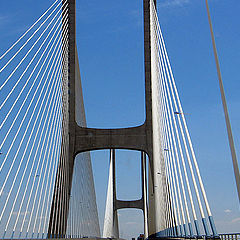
88	139
138	204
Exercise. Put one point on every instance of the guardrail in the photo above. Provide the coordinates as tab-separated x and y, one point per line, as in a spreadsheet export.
230	236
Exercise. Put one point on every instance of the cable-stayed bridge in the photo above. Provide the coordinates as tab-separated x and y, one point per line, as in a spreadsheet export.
47	188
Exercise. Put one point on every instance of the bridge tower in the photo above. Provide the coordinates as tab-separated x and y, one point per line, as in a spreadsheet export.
77	139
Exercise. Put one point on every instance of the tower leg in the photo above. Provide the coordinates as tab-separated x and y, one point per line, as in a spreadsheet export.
144	193
110	229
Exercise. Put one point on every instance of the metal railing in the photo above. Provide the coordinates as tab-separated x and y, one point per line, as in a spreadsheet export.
230	236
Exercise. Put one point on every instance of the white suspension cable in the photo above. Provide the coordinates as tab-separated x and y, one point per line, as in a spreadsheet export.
32	167
58	171
172	159
163	131
171	202
13	206
190	144
46	188
13	105
179	192
47	153
25	56
29	91
186	149
60	175
53	156
30	39
49	201
3	55
182	157
42	165
9	194
32	100
196	189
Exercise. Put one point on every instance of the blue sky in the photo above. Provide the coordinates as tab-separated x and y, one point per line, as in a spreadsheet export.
110	46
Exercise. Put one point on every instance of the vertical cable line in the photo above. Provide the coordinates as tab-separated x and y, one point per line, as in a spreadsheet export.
174	173
55	170
172	159
29	91
24	152
181	180
39	158
172	196
52	97
41	194
161	206
57	186
65	56
188	186
161	131
56	156
32	163
41	171
59	173
182	157
20	146
9	49
170	156
27	42
32	59
65	191
40	141
65	197
181	216
183	189
22	123
167	156
46	173
171	77
62	192
181	152
50	151
163	140
163	137
152	25
168	140
10	215
177	105
171	175
56	189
